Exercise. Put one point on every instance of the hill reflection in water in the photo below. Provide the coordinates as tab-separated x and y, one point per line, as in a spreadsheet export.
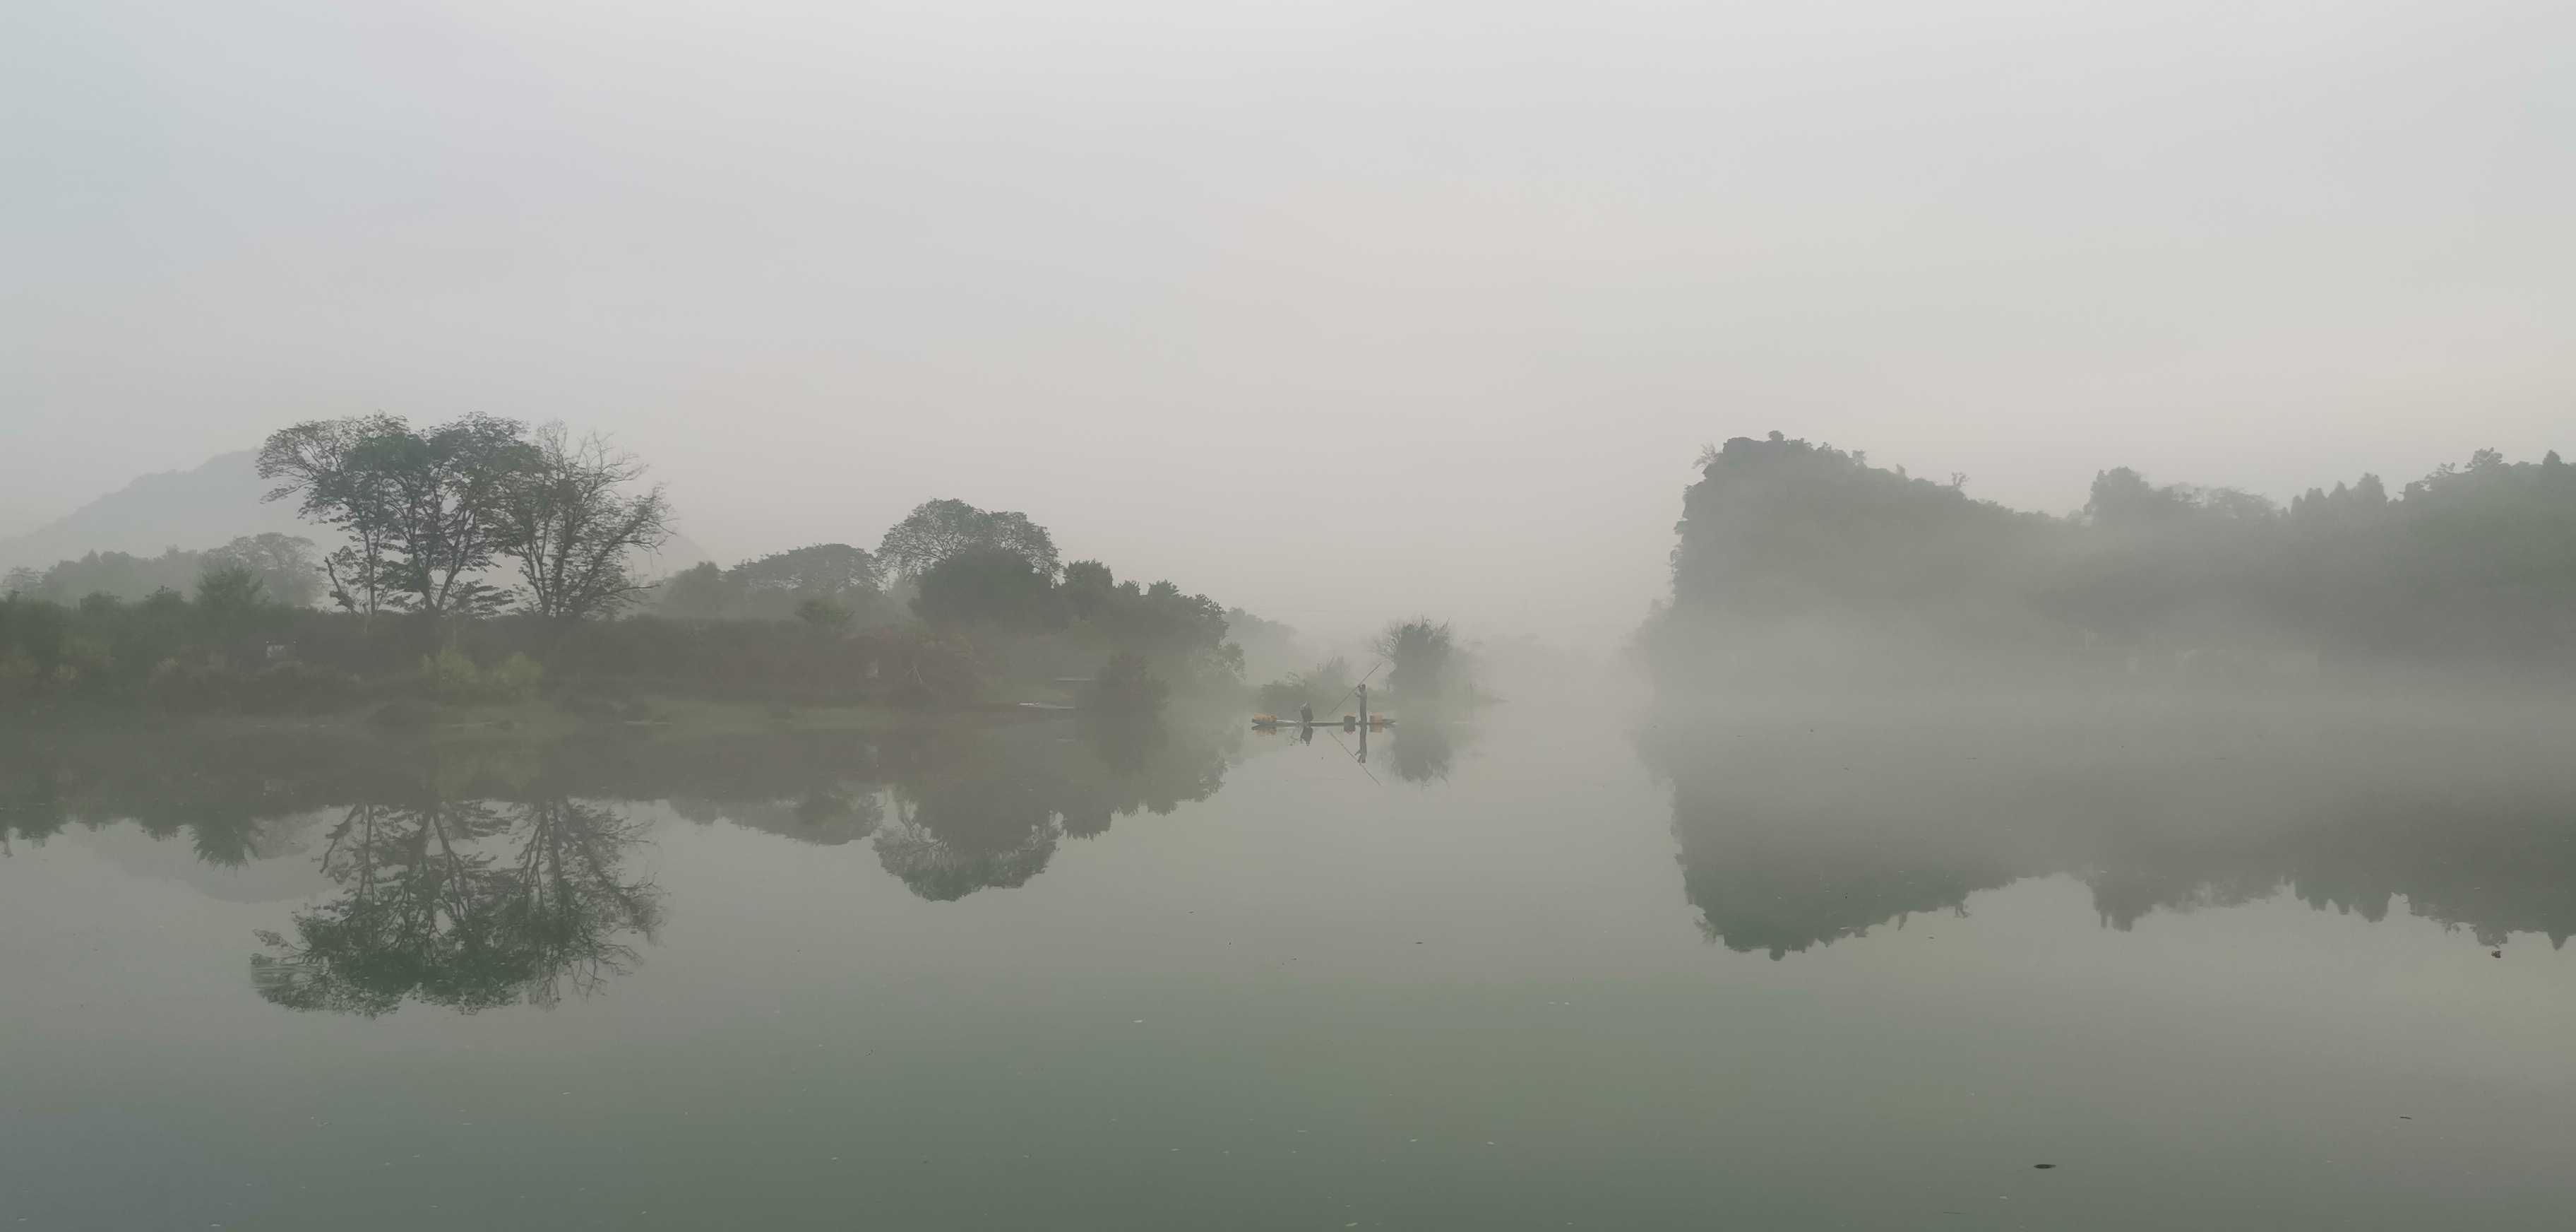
473	874
1801	823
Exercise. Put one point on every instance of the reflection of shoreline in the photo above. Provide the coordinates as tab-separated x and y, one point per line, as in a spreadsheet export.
276	868
1802	824
475	876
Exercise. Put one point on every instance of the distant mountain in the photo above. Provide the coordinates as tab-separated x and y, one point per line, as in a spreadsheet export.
204	508
189	510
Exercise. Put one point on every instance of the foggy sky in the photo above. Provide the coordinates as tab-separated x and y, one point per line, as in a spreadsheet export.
1178	279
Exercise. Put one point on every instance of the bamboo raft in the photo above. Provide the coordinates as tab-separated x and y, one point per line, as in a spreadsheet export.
1348	722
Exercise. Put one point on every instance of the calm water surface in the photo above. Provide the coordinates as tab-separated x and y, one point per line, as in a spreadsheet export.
2222	963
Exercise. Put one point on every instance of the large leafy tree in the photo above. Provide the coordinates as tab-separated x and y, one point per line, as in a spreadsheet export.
452	486
283	564
819	577
315	462
822	570
427	512
988	584
936	530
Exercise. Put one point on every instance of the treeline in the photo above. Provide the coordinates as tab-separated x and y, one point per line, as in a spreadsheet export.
283	565
1793	554
484	560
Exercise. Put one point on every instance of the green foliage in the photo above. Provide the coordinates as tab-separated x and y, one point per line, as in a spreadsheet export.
1086	585
1422	656
700	591
1782	529
1181	636
824	614
1126	685
106	646
1784	544
780	585
450	676
283	566
429	510
936	530
808	626
983	584
517	677
230	587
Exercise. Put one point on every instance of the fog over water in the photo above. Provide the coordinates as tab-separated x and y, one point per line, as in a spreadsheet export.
1175	279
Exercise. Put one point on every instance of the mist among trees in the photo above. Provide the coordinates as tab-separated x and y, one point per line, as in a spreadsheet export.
1792	554
486	560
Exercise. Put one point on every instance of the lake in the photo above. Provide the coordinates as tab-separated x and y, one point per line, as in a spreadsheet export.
2146	961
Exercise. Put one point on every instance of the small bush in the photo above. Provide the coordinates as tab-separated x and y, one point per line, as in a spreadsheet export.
450	677
516	678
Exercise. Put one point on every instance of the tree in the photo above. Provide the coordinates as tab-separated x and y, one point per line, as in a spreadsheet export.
835	573
701	590
1182	636
315	460
283	564
567	521
426	511
824	614
938	529
450	487
988	584
779	585
1087	587
229	586
1419	652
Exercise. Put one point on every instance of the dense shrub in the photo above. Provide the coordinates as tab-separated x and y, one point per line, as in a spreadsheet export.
1125	686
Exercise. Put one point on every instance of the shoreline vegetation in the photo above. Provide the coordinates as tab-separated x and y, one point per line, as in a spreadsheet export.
484	572
1801	563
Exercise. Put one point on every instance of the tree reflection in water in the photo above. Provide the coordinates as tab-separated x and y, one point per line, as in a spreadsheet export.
465	904
988	811
1424	750
477	873
1801	823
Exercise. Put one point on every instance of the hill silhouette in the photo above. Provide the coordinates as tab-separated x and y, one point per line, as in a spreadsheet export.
190	510
205	507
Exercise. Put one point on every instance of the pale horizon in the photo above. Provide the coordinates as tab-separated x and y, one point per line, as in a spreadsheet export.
1180	284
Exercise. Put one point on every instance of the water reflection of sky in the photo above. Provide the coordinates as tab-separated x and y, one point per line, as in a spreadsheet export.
1029	964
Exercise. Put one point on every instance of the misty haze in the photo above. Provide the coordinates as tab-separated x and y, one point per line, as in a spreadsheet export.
1144	616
